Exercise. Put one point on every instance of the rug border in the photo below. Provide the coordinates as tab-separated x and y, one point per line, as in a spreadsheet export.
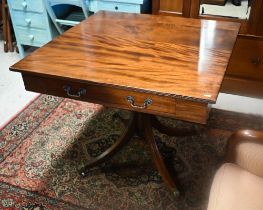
46	196
19	112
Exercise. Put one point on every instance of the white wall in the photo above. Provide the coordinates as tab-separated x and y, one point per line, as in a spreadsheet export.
239	104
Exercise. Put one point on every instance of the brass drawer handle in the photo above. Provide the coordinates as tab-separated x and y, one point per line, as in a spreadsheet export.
146	103
31	37
28	21
80	92
24	5
256	61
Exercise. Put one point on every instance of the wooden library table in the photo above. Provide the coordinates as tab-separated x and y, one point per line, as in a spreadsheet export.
151	65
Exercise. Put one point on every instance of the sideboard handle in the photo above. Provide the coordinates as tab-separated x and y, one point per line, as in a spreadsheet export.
146	103
80	92
256	61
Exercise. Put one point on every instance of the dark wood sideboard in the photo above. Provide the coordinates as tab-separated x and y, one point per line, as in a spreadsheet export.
5	23
244	74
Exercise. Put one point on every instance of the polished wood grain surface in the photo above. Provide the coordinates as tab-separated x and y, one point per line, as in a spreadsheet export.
169	56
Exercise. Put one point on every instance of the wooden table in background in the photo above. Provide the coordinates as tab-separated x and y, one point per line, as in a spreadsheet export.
151	65
7	28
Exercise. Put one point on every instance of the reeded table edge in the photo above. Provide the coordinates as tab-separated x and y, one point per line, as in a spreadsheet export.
188	98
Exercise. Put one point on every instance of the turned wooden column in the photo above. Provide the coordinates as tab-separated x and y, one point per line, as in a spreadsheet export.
7	28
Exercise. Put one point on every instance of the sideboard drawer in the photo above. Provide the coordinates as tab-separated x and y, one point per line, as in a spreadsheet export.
119	7
30	19
247	59
27	5
119	98
33	37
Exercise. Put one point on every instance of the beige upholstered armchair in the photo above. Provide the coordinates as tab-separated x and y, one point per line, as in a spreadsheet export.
238	184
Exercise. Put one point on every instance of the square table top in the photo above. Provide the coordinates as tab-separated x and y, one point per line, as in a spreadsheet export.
171	56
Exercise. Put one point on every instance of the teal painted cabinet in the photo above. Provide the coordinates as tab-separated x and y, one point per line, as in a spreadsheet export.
31	23
33	26
133	6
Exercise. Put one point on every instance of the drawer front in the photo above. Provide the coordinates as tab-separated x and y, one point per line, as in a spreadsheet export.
127	1
119	7
29	20
27	5
93	6
247	59
119	98
33	37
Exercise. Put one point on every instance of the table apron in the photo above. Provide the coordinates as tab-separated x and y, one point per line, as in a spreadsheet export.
117	97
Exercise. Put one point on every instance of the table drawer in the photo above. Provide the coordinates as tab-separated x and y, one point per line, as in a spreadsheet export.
33	37
247	59
119	98
27	5
119	7
29	19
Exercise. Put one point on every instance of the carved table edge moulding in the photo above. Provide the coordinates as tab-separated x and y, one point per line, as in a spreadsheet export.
150	65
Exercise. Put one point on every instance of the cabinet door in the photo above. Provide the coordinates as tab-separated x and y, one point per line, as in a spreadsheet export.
260	22
247	12
171	7
246	60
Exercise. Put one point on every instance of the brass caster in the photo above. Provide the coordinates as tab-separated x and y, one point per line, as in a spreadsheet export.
83	174
176	193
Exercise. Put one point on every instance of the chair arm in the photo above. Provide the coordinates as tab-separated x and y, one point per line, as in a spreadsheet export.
245	148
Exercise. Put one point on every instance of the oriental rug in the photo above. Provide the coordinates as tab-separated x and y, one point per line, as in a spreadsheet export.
43	148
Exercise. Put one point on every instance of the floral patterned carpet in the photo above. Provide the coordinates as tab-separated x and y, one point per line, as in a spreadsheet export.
43	148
